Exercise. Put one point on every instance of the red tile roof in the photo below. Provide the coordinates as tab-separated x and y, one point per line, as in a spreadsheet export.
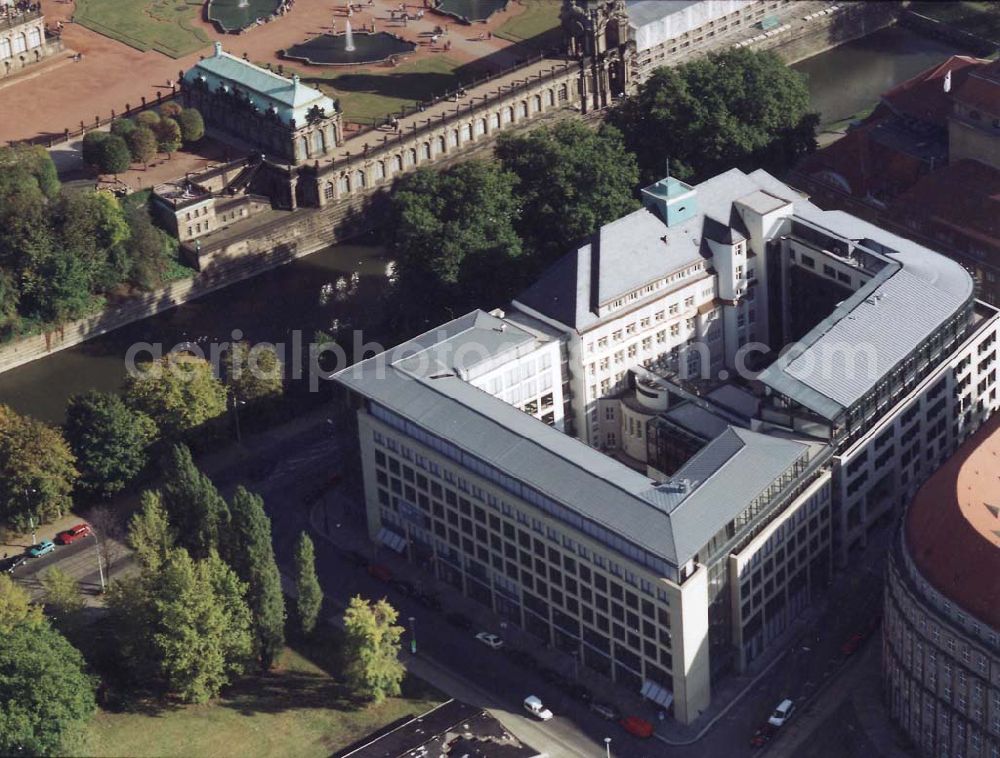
963	197
981	89
953	526
923	97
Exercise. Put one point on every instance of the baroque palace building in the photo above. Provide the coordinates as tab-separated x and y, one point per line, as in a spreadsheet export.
941	636
22	35
656	457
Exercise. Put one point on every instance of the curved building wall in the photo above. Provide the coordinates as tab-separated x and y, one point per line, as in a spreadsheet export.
940	666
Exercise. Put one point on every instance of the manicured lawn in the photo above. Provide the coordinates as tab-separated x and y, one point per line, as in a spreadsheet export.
538	25
982	18
380	91
299	710
162	25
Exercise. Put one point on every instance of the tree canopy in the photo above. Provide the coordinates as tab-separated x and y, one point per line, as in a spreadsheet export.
372	648
454	239
309	594
184	622
37	471
46	696
193	505
251	554
179	392
571	180
109	440
16	606
254	373
150	534
192	125
738	108
142	144
113	156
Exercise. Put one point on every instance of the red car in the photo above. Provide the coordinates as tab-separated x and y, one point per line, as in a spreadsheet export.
850	647
73	534
763	735
380	572
637	726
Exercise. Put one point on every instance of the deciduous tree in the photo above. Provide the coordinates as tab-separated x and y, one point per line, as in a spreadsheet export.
254	373
309	594
15	606
192	125
109	440
372	649
46	696
37	471
168	135
731	109
62	592
113	155
572	180
179	392
142	145
150	534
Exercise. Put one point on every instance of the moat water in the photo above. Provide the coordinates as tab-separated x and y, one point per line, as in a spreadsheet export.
303	295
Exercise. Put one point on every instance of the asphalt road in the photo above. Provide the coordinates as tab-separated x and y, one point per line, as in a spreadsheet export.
78	559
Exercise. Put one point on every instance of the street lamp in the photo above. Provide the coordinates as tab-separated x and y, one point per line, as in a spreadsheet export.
100	564
236	414
413	635
607	746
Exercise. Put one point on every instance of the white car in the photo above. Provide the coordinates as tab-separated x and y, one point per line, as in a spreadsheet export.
782	713
535	707
490	640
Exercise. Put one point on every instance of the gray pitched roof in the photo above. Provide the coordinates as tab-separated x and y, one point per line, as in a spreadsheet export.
430	395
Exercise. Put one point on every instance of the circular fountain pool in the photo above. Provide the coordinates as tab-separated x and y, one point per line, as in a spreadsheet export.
236	15
332	50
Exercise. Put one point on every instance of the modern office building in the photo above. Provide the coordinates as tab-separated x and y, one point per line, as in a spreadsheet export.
941	631
734	385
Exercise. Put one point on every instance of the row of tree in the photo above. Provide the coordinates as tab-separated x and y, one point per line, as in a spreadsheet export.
107	439
61	252
473	235
138	140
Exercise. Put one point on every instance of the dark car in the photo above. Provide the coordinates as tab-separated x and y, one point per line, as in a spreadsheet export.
380	572
9	564
549	675
407	588
606	711
763	735
357	559
459	621
578	692
430	602
519	657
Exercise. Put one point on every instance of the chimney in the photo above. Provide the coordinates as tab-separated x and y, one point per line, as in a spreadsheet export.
218	49
947	82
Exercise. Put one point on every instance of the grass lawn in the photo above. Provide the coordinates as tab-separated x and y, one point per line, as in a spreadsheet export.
538	25
296	710
161	25
376	93
981	18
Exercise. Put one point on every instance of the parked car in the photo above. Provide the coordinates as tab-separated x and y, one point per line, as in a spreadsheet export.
606	711
578	692
536	708
357	559
551	676
520	657
459	621
492	641
42	548
782	713
380	572
73	534
407	588
431	602
9	564
851	645
637	726
763	735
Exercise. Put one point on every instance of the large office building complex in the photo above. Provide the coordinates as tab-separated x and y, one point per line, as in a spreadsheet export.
941	636
655	458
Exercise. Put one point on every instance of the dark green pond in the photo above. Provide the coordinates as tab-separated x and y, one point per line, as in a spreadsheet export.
470	10
331	49
233	15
